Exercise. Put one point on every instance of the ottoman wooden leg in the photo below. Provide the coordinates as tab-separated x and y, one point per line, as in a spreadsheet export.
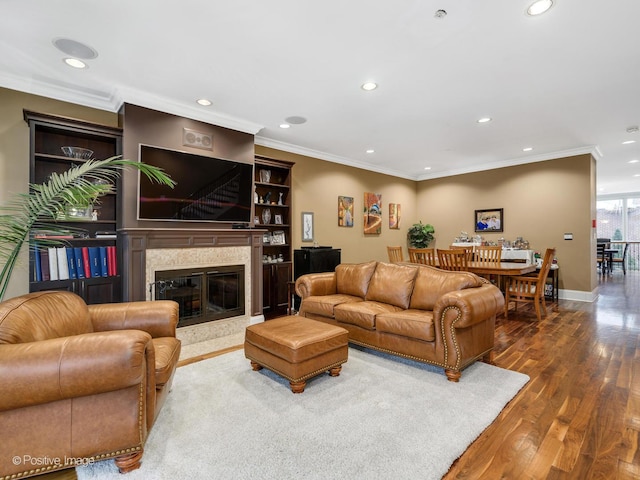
255	366
335	371
298	387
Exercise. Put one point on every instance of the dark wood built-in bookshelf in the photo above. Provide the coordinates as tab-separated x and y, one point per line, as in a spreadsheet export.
93	230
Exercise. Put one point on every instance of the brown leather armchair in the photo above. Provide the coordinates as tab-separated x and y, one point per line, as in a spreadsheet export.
81	382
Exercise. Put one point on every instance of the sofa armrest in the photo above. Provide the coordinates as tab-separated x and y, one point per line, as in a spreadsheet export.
475	305
316	284
158	318
67	367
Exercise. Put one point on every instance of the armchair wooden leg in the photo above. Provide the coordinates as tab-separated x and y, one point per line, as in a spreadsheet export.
129	462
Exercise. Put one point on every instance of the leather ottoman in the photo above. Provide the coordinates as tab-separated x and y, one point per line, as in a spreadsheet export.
296	348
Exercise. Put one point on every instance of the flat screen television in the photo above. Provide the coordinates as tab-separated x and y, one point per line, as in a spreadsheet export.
207	189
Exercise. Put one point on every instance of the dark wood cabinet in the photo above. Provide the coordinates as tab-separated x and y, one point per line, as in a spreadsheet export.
272	210
94	226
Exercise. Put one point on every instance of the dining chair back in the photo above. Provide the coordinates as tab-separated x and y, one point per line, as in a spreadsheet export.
456	259
425	256
468	250
395	254
601	258
488	254
528	289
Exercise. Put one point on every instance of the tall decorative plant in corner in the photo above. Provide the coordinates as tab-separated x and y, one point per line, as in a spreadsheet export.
420	235
82	184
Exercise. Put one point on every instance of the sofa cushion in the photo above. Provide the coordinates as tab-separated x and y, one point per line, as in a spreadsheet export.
325	304
362	314
408	323
431	283
353	279
392	284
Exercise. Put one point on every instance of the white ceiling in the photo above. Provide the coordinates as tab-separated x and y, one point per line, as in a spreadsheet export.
565	82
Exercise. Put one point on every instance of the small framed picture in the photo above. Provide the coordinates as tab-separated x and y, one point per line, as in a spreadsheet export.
277	219
307	226
278	238
266	238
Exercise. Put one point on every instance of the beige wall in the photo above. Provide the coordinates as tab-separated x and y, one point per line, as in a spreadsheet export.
14	153
316	187
542	201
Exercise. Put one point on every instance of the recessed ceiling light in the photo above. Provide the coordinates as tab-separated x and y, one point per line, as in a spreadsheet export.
368	86
634	161
527	149
484	119
204	102
371	150
627	142
539	7
284	125
427	168
75	63
637	175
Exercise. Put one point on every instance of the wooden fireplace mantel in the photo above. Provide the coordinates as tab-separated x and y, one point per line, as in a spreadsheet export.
134	242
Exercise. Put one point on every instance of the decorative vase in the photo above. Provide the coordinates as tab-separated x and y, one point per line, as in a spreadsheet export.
266	216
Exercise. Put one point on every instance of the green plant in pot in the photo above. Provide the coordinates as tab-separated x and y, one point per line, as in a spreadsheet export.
420	235
56	199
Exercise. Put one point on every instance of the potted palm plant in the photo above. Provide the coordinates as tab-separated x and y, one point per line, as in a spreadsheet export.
420	235
53	200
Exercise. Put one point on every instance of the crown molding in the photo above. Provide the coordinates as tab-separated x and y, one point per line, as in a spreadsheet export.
309	152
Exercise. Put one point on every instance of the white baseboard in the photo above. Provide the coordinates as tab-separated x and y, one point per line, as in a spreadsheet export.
578	295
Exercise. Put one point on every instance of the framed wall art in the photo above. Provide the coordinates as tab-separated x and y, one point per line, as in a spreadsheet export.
490	220
307	226
345	211
394	216
372	213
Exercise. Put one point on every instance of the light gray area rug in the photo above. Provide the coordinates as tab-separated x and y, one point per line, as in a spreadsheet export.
383	417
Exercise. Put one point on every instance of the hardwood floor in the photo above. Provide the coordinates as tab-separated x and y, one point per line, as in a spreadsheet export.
579	416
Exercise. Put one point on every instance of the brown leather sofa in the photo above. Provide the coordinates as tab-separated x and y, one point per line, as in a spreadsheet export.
81	383
419	312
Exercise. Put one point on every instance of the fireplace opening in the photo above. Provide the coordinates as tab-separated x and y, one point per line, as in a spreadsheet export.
203	294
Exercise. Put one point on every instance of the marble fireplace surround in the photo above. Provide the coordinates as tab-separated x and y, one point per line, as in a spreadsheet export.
149	250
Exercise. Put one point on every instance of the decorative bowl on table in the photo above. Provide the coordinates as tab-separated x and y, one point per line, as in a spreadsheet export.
77	152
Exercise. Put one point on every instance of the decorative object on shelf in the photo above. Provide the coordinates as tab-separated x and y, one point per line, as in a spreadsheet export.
490	220
345	211
265	176
77	152
266	238
44	202
372	213
277	219
256	197
256	220
280	202
278	238
394	216
420	235
267	197
307	226
266	216
94	215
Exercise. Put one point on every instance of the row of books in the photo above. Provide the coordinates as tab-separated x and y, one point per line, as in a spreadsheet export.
63	263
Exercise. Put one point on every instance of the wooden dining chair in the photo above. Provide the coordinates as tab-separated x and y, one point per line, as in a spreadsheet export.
456	259
527	289
395	254
488	255
601	258
425	256
468	250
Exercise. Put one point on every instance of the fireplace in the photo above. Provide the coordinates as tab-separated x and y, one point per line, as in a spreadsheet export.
203	294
